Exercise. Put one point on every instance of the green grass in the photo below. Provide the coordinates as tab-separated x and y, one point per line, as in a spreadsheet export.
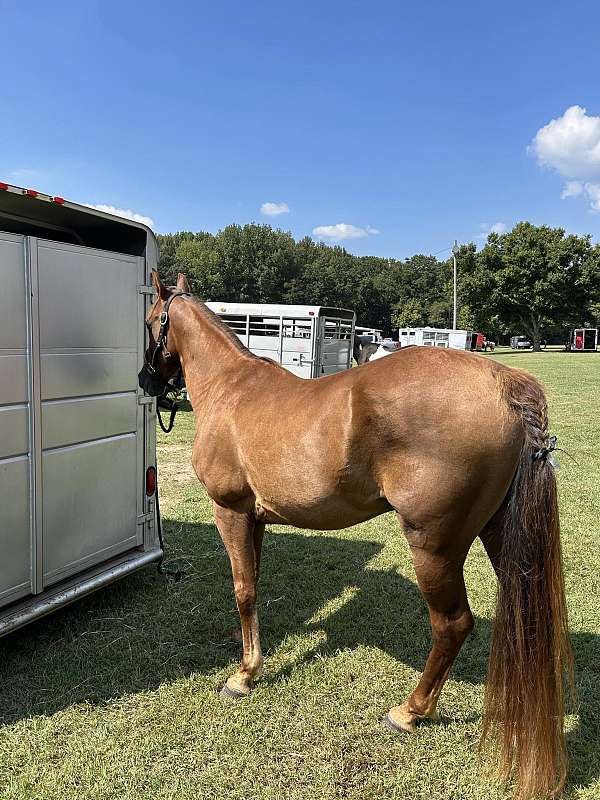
115	697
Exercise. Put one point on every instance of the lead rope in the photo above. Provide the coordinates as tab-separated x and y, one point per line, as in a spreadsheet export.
172	407
175	573
170	404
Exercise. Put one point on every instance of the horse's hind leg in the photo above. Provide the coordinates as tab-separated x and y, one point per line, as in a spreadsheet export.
442	584
242	537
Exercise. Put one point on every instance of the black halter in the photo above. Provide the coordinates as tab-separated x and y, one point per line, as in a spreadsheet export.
150	380
161	341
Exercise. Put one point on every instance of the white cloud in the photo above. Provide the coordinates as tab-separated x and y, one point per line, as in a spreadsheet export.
497	227
122	212
342	230
570	145
274	209
572	189
592	191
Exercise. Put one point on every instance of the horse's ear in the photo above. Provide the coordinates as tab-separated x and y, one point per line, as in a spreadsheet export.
159	287
182	283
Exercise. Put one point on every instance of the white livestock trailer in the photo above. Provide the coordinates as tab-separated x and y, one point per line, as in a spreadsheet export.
438	337
77	436
583	340
368	334
309	341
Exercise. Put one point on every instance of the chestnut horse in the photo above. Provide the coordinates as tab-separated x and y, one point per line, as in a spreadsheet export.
398	435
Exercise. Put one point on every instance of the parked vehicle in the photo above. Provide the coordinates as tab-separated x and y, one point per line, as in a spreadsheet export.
582	340
438	337
524	343
77	436
478	341
309	341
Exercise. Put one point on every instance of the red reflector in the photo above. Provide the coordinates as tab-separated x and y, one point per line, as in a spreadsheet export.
3	185
59	200
31	193
311	313
151	481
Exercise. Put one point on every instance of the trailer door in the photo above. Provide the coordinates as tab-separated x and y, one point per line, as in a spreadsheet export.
589	339
15	448
90	347
297	346
335	346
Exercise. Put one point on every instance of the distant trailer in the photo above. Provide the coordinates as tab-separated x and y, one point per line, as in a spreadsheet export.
438	337
367	335
583	340
310	341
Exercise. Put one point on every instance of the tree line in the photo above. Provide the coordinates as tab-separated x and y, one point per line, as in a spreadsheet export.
532	280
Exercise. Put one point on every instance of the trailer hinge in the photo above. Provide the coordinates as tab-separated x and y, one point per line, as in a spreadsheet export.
143	519
145	400
145	289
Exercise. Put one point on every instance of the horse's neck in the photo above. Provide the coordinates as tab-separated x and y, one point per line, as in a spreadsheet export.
206	351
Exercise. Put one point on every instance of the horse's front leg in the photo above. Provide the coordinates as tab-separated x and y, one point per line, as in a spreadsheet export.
242	537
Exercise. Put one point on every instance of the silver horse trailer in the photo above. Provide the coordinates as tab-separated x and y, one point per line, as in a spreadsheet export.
77	437
309	341
437	337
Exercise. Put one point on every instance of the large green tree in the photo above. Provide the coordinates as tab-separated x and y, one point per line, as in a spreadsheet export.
533	278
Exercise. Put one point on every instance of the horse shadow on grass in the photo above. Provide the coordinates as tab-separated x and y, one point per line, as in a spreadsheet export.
148	630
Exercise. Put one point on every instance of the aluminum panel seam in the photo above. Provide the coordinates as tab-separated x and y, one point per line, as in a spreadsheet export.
35	411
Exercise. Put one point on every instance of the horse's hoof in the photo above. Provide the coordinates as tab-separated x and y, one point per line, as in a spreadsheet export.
399	719
399	726
231	694
235	690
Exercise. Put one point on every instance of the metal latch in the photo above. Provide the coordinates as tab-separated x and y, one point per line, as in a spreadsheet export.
143	519
145	289
302	360
145	400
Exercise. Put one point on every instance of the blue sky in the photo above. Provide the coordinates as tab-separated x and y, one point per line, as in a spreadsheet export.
406	123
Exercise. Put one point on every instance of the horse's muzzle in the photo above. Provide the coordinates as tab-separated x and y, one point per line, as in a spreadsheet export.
150	382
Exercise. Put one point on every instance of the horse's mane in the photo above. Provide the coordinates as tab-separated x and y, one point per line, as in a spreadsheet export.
217	322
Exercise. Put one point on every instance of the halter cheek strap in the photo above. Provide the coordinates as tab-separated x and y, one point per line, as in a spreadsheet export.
161	342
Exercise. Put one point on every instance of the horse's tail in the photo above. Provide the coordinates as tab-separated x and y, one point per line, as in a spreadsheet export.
530	654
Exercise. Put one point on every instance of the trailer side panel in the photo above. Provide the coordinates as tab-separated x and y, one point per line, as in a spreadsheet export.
15	448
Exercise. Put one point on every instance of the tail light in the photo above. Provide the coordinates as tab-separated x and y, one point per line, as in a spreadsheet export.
151	481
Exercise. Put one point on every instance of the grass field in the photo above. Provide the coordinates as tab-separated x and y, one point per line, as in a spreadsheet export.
115	697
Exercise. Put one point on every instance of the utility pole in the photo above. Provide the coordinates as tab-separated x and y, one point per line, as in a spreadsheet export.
454	254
